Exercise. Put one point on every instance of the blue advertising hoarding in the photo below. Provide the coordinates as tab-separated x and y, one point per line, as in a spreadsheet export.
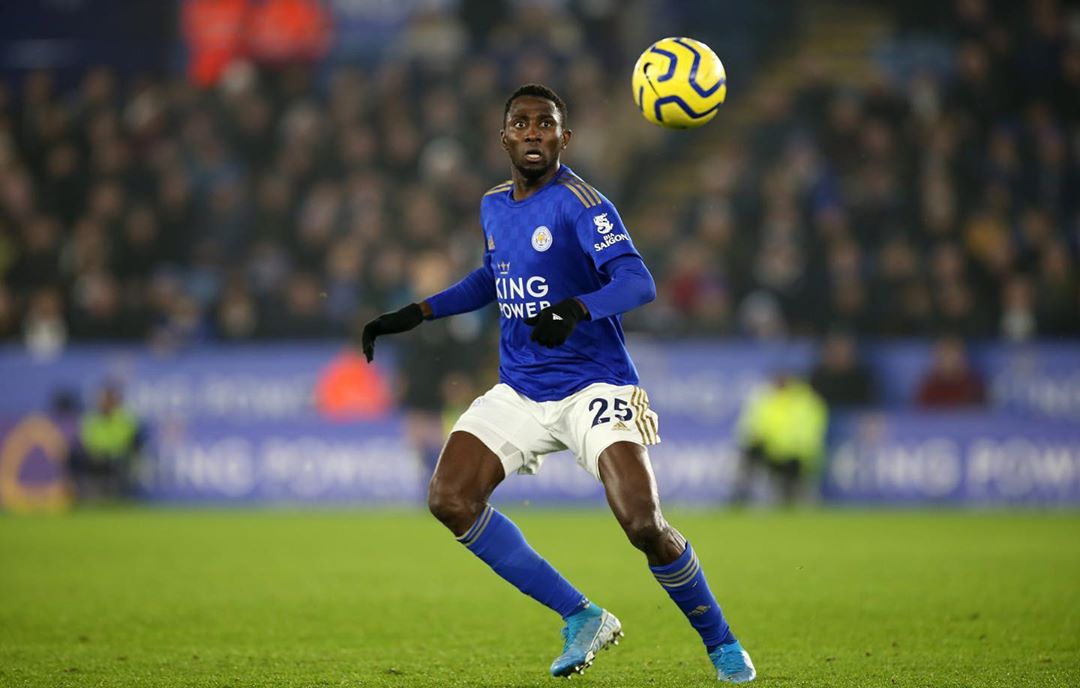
707	381
954	458
244	424
371	463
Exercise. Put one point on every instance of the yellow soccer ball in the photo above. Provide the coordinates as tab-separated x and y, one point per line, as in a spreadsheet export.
679	83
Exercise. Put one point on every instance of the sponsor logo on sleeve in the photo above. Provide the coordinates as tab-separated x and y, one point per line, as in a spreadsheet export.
610	240
603	225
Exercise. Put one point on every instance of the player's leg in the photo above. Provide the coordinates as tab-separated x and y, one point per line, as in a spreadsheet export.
467	473
630	487
631	493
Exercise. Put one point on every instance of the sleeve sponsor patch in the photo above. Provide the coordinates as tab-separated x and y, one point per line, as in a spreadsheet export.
610	240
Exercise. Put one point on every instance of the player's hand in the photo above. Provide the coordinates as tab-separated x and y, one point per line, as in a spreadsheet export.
390	323
552	325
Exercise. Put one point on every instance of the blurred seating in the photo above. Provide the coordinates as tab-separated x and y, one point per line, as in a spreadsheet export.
291	198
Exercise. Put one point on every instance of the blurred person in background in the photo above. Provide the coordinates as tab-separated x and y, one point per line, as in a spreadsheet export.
236	316
950	382
45	331
562	267
432	362
1018	319
781	434
213	30
66	410
9	316
110	438
303	315
1057	292
840	376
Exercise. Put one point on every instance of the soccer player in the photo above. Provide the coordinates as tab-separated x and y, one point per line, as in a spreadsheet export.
562	267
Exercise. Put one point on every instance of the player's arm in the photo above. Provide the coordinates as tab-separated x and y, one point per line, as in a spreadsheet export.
630	286
602	236
475	291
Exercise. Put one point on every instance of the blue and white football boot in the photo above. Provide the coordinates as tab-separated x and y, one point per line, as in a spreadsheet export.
586	633
733	663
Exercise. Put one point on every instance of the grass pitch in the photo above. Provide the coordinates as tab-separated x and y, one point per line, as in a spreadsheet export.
230	598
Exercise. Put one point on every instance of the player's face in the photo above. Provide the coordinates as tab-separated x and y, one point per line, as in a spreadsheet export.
533	135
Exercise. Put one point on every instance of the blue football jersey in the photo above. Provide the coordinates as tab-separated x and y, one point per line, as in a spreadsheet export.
544	249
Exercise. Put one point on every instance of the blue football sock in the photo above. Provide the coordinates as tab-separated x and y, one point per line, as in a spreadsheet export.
685	583
498	542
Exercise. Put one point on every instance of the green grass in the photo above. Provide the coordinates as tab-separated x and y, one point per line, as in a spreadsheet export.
834	598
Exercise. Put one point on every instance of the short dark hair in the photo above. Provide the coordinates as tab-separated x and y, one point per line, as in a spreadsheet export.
537	91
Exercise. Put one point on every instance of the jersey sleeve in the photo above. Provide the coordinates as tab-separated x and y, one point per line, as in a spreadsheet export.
630	286
473	292
601	233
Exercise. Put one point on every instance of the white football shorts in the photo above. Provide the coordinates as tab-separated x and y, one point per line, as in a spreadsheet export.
521	432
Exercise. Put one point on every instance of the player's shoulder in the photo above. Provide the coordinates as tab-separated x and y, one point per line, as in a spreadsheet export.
491	198
501	187
577	192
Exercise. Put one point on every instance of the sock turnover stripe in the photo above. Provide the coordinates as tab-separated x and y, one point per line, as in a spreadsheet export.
477	528
679	582
675	575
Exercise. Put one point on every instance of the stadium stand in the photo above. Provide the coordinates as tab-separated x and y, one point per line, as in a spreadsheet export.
289	199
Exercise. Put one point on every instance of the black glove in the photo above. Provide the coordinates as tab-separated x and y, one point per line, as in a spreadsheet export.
552	326
390	323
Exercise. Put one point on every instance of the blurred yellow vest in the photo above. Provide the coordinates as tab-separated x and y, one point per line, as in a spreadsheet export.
109	436
788	421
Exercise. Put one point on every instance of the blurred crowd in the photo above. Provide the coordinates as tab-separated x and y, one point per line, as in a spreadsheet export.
943	198
291	199
287	199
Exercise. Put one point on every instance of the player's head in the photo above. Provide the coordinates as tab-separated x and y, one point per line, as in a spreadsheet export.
537	91
534	129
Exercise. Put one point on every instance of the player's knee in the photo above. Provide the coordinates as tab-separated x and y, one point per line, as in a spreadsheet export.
450	507
442	504
646	531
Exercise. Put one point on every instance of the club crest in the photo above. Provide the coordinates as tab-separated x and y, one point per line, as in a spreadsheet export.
541	238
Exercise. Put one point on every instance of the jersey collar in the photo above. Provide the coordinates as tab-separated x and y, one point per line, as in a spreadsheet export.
562	172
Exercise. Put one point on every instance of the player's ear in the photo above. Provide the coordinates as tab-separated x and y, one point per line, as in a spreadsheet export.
566	134
502	139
